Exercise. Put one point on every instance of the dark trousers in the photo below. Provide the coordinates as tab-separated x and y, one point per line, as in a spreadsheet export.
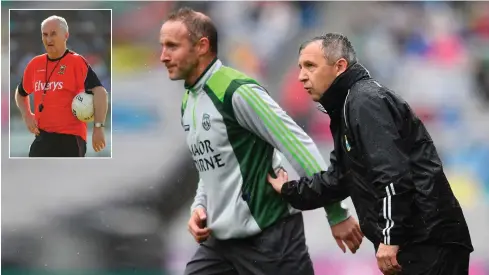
48	144
279	249
434	260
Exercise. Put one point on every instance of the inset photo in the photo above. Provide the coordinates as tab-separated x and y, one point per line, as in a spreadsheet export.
60	82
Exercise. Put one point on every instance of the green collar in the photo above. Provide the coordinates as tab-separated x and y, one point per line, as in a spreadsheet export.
201	77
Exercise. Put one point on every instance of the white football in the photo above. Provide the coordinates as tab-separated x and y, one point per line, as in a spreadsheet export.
82	107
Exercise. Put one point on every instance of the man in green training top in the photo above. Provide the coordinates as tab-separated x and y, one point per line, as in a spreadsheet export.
234	129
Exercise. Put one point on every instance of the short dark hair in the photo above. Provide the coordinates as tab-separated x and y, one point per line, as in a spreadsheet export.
198	26
335	46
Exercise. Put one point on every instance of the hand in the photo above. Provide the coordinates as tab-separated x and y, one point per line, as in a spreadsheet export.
196	225
31	123
98	139
348	231
278	182
387	259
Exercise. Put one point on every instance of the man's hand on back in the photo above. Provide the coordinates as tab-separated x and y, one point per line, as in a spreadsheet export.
197	225
279	181
348	231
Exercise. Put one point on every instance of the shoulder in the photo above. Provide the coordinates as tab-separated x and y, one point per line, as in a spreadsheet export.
371	96
251	92
36	63
77	58
254	99
226	81
36	60
39	58
366	91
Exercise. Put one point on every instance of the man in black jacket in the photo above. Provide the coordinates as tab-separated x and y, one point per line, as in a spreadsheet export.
385	160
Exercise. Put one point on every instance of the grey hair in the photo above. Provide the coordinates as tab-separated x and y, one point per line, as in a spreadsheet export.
334	46
62	22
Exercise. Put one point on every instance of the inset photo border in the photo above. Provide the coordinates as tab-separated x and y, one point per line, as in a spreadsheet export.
60	83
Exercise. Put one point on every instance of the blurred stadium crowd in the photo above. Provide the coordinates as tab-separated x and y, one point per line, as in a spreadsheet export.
90	38
436	55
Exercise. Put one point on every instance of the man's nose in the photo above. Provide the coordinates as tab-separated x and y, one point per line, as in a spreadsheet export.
302	76
164	57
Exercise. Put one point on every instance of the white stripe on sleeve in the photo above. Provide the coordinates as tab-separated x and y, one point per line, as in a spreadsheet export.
387	211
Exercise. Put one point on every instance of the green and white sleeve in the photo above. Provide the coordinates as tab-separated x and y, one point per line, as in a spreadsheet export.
256	111
200	199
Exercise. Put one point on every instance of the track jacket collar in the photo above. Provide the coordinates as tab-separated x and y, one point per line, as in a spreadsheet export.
334	98
208	72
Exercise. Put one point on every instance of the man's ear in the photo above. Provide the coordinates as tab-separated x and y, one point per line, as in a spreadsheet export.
204	45
341	66
67	34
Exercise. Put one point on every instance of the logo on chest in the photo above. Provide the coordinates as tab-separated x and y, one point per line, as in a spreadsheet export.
50	86
205	157
62	69
206	122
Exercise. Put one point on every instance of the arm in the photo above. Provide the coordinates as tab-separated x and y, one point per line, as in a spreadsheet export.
100	96
256	111
372	121
23	90
92	85
100	104
200	199
314	191
197	224
22	100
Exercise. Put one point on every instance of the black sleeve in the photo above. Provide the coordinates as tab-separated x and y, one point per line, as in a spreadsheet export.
373	124
92	80
20	88
313	192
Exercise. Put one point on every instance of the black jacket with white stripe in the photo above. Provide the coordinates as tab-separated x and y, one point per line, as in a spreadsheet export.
385	160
